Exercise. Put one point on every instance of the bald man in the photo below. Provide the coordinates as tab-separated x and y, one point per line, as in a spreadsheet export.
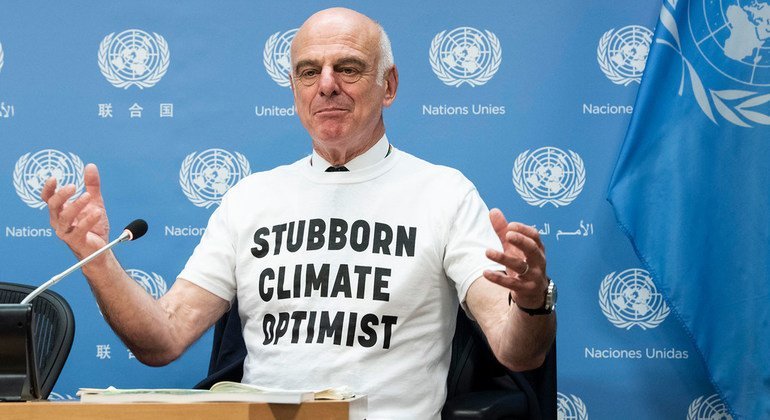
348	265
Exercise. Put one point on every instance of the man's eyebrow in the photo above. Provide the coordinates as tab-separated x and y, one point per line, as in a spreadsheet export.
342	62
351	60
305	63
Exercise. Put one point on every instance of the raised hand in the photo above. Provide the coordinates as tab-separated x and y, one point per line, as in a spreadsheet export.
82	224
524	259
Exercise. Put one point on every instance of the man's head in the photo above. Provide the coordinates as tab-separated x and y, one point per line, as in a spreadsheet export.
342	76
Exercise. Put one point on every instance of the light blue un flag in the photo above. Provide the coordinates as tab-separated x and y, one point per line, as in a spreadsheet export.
691	187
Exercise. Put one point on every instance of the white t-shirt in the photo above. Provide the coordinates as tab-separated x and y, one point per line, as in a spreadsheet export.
349	278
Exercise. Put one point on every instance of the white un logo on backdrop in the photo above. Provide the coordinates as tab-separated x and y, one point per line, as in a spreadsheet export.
703	408
570	407
33	169
152	283
465	55
133	57
1	56
549	176
630	299
277	56
622	54
206	176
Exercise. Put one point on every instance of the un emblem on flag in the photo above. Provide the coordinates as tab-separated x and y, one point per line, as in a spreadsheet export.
570	407
708	408
465	55
33	169
548	175
153	283
630	299
133	57
277	56
733	38
205	177
622	54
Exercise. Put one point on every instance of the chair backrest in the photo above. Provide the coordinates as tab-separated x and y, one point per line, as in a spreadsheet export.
54	330
473	371
478	386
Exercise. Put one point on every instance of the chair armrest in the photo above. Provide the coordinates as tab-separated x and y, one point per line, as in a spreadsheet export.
487	405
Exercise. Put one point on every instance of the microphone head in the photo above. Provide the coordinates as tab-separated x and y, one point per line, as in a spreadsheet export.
136	229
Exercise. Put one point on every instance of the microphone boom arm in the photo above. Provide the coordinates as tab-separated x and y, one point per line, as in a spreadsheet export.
125	236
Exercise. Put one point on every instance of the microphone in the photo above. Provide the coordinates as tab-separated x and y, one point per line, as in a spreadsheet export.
133	231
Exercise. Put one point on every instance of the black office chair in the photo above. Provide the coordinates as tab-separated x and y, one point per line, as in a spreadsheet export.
478	387
54	330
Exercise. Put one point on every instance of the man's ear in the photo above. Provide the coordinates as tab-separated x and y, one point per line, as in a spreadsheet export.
391	86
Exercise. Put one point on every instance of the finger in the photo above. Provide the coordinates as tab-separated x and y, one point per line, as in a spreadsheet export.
57	200
499	224
528	248
84	224
49	188
93	182
73	211
515	264
502	279
527	231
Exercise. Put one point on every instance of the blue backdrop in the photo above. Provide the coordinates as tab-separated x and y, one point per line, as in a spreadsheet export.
531	100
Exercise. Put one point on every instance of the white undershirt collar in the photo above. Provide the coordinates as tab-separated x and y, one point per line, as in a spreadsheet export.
370	157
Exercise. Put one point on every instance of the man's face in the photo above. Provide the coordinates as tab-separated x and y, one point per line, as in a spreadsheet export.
334	79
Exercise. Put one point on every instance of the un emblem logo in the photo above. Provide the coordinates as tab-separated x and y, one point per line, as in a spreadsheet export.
33	169
549	176
622	54
205	177
708	408
631	299
733	38
465	55
2	56
133	57
153	284
570	407
277	56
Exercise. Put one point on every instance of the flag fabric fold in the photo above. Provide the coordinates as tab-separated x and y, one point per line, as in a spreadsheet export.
691	187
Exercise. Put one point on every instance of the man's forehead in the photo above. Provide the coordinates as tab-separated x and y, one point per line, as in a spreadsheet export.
336	32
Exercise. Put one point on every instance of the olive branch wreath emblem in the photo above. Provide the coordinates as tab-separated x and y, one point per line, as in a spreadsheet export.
115	79
580	406
448	79
611	313
604	62
574	190
274	70
189	190
734	105
33	200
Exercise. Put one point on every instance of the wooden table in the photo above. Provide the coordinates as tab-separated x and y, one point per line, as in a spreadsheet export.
353	409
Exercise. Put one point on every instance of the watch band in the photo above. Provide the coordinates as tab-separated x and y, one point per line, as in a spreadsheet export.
549	301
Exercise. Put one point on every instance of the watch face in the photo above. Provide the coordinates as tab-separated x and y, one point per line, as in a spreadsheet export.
550	297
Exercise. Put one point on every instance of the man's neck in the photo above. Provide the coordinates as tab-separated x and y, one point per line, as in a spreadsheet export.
339	156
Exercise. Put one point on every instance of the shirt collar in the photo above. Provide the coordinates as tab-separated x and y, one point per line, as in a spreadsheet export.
370	157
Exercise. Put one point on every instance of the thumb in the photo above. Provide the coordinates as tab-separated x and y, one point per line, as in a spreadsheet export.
499	224
92	182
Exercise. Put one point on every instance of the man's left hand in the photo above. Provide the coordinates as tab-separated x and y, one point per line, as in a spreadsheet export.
524	259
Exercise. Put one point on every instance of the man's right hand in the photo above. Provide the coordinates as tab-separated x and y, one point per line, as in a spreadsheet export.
82	224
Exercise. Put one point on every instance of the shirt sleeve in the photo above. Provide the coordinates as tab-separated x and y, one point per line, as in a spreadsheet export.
212	264
470	235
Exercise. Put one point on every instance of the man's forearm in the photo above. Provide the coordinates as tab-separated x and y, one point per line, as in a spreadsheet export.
523	340
138	319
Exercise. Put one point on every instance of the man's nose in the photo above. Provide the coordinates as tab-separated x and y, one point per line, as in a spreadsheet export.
327	84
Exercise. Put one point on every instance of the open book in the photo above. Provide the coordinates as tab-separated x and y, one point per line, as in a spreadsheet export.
219	392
